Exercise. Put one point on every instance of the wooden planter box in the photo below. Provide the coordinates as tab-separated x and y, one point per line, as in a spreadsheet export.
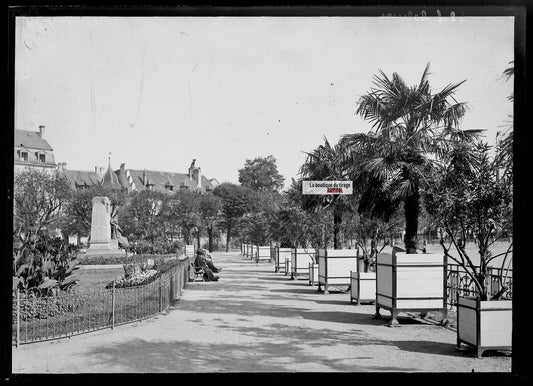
189	250
362	287
262	253
334	267
484	325
411	282
313	274
287	266
282	254
300	259
253	250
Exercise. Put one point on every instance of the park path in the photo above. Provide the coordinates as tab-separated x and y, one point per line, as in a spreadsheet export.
256	320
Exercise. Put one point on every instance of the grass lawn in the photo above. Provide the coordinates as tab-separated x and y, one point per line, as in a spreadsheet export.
96	278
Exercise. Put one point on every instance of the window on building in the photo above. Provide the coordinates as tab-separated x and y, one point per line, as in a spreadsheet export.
170	187
149	186
24	156
42	158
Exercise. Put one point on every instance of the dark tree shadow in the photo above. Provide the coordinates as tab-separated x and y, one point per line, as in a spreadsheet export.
144	356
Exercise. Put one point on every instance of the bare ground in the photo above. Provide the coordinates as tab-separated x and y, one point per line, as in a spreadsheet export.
255	320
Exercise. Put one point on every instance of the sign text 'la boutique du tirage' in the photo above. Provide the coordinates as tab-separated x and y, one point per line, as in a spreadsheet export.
327	187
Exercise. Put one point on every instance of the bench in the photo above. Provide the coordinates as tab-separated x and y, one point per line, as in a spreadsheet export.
198	271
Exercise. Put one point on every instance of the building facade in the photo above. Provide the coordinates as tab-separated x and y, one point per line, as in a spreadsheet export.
33	151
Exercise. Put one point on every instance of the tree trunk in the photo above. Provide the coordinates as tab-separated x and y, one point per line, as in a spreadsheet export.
210	236
337	220
228	237
198	233
411	221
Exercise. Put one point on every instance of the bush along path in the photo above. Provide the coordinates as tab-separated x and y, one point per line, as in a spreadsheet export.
256	320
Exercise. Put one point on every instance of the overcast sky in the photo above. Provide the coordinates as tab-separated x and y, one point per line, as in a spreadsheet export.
157	92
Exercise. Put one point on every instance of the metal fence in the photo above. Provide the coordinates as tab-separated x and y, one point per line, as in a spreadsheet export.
53	317
459	282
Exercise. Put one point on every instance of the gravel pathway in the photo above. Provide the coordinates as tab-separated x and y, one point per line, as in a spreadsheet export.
255	320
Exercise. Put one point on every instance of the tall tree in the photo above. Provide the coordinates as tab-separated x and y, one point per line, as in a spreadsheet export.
504	139
141	216
187	214
327	163
261	173
39	199
236	202
209	209
467	196
411	126
78	210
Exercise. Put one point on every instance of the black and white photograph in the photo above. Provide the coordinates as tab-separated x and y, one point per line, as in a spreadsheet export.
274	190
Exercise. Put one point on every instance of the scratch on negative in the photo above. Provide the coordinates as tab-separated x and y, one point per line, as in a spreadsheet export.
190	93
93	103
142	83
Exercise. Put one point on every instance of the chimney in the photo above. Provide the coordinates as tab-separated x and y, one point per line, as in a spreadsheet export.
197	176
41	131
96	169
101	170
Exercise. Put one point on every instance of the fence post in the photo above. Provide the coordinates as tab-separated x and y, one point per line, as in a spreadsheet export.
160	295
18	317
113	306
178	276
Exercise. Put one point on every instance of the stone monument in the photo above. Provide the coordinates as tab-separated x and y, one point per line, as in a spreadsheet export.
101	241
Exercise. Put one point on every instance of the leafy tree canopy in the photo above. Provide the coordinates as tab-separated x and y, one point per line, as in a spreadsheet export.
261	173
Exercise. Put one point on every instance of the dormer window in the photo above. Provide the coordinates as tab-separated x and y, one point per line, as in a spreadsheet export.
24	156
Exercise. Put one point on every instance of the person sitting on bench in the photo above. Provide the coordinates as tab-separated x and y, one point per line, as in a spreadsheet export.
209	260
201	261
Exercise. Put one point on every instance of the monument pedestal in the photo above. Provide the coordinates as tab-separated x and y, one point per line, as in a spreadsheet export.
105	249
101	242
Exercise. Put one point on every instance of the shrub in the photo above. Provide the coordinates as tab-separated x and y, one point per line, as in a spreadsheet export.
45	266
132	259
158	246
136	274
44	307
143	277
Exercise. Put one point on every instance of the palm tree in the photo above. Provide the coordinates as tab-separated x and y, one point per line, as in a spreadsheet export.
327	163
411	127
504	140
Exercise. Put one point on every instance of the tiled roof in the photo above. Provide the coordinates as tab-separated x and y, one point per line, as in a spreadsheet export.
206	183
161	179
110	179
31	140
82	177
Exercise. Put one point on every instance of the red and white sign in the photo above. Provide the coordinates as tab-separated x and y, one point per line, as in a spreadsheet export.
327	187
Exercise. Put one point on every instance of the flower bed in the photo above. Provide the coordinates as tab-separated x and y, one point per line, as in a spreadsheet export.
132	259
141	278
135	274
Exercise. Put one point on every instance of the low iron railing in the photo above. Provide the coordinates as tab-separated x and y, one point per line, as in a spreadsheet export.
459	282
53	317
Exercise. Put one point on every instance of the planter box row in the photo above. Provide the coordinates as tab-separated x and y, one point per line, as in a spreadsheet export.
334	267
407	282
